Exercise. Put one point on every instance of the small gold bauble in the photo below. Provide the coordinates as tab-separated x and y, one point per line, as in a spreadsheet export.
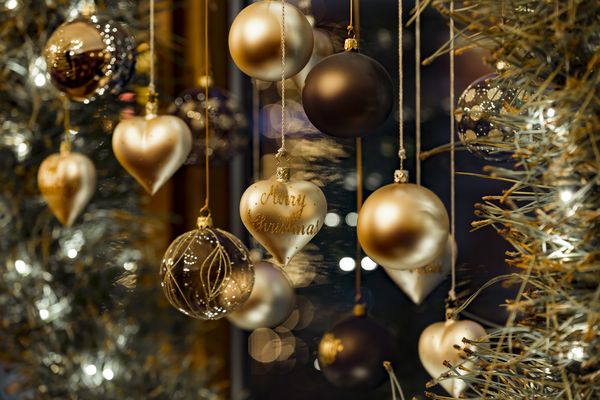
207	273
67	181
403	226
271	301
255	40
90	57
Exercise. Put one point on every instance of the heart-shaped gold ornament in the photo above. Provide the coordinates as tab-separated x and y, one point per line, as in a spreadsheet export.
418	283
436	345
152	148
283	214
67	181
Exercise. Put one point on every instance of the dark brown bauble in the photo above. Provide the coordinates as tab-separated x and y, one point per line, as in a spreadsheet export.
352	353
348	95
90	57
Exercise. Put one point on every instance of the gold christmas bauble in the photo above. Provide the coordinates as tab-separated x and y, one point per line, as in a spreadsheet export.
207	273
255	40
67	181
283	214
403	226
271	301
437	345
152	148
89	57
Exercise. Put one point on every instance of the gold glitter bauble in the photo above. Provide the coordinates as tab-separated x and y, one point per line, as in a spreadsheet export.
255	40
403	226
89	57
207	273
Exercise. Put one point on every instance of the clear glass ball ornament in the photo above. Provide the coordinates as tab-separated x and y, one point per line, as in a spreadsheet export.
207	273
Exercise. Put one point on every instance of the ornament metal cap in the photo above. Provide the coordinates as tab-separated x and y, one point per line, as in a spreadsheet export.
351	44
205	222
152	106
283	174
401	176
359	310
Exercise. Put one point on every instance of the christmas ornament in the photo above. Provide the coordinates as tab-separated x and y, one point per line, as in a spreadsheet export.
67	181
352	353
89	57
322	48
283	214
403	226
207	273
476	115
227	122
153	147
348	94
418	283
436	345
271	301
255	39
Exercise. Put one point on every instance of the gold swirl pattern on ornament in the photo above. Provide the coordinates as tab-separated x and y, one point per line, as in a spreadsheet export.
214	273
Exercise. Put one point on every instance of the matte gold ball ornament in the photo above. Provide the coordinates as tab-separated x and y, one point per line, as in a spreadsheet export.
271	302
403	226
67	181
255	40
153	147
437	345
283	214
207	273
90	56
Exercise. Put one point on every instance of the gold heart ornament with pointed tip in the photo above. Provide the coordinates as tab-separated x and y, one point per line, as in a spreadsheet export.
436	345
283	214
152	148
67	181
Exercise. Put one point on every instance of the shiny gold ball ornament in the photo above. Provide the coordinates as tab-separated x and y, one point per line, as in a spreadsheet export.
283	214
207	273
153	147
67	181
90	57
255	40
403	226
271	302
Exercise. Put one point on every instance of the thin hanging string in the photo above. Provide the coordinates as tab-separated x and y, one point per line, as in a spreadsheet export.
359	201
281	153
152	85
418	91
65	146
255	132
394	383
452	292
402	150
205	208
